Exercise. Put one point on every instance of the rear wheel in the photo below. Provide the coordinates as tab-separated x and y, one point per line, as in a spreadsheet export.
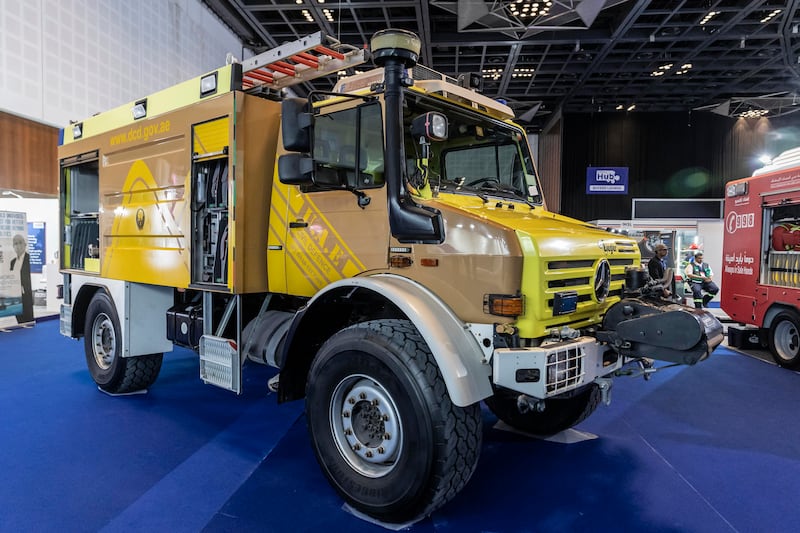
382	425
784	339
103	346
558	414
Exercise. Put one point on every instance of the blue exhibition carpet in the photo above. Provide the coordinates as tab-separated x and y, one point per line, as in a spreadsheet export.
709	448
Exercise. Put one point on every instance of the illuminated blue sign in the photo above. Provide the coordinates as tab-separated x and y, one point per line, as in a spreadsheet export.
606	180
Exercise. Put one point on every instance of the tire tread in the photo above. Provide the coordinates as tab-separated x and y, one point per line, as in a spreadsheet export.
463	432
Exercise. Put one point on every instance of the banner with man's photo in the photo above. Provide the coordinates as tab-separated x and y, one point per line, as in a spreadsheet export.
16	297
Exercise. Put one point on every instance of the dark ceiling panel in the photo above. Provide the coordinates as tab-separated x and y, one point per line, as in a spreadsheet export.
634	52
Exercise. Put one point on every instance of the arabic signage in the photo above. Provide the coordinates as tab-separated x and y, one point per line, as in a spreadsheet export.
606	180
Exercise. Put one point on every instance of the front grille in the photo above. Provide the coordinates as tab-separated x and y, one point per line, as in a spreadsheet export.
564	369
570	263
556	283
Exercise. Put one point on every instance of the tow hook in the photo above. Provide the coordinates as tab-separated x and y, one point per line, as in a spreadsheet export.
605	389
646	365
646	368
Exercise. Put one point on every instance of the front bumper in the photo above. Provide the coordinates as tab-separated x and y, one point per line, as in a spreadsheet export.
553	369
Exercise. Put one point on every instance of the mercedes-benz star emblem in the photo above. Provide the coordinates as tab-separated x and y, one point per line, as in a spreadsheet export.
602	280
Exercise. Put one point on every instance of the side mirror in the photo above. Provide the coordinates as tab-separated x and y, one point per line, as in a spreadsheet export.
295	169
432	126
296	125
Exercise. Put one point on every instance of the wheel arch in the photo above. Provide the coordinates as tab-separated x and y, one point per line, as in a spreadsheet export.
340	304
81	303
774	310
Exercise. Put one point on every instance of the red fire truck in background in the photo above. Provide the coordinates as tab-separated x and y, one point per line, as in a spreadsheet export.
761	258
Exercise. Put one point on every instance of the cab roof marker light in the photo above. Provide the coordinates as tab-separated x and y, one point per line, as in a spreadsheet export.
208	84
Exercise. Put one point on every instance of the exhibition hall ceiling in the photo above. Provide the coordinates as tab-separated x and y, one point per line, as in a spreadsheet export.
730	57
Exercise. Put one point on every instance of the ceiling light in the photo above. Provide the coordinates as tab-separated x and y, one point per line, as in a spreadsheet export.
522	9
753	113
631	107
771	16
493	73
619	107
765	159
709	16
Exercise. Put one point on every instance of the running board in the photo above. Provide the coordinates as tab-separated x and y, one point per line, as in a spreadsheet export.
220	363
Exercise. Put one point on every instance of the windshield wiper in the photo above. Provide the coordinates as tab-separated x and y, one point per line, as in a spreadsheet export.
506	191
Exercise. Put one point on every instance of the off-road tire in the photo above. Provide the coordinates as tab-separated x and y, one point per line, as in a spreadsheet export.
383	376
558	414
102	341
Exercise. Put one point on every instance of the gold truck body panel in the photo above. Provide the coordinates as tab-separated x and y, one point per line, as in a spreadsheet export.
145	187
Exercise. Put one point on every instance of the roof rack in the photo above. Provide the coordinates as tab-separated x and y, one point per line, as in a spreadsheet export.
305	59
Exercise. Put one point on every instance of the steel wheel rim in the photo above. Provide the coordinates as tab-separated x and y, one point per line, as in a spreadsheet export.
366	427
104	341
787	340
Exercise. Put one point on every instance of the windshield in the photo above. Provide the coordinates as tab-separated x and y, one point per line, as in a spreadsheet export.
481	156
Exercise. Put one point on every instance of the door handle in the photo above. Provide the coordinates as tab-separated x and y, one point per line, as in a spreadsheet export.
298	224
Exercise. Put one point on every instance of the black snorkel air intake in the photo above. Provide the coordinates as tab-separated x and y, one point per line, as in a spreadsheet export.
396	51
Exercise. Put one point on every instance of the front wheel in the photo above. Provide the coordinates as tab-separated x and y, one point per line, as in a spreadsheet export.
784	339
102	340
558	414
382	425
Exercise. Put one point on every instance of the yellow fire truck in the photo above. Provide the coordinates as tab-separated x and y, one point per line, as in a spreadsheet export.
385	245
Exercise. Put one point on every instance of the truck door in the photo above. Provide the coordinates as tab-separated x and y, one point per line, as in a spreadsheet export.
338	227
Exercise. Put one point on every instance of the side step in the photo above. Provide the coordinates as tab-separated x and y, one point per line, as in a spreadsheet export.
220	363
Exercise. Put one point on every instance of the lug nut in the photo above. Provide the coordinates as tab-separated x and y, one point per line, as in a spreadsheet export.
381	449
387	436
363	395
351	400
346	414
369	453
356	446
375	401
348	431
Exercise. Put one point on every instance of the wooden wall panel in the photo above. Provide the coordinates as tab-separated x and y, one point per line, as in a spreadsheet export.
28	155
550	156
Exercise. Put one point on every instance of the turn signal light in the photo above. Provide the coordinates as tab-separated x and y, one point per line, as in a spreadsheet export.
503	304
400	261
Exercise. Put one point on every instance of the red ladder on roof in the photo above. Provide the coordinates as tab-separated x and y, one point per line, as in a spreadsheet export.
302	60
